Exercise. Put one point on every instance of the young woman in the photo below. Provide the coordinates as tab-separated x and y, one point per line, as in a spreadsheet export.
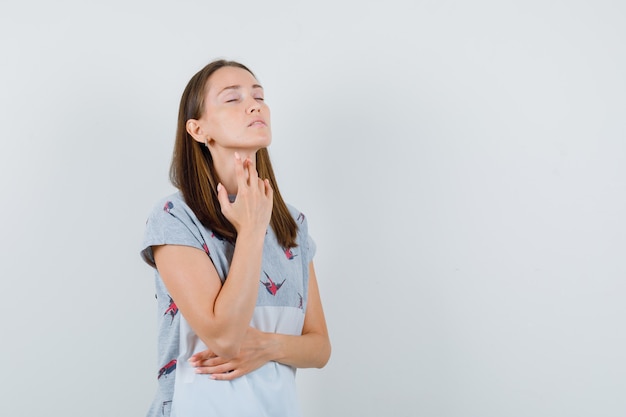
238	301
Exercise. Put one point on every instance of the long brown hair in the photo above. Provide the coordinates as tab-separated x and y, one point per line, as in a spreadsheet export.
193	173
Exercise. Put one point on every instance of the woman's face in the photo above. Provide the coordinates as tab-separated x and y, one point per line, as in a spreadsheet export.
235	114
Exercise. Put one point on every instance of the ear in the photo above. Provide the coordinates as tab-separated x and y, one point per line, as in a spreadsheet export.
195	130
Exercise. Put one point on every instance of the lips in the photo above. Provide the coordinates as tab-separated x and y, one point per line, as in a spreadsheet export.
257	122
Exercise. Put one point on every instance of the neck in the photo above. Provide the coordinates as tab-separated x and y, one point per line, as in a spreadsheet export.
224	162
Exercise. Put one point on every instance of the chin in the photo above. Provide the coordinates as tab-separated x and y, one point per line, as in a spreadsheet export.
264	142
258	141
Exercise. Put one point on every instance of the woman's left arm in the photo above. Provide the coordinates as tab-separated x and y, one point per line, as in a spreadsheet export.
310	350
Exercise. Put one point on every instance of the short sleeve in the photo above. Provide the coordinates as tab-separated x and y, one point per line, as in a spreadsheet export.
311	248
305	241
171	222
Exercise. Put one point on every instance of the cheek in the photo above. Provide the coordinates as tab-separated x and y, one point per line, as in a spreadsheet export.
222	123
268	115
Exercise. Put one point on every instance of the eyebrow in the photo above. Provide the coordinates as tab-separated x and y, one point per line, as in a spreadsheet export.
237	87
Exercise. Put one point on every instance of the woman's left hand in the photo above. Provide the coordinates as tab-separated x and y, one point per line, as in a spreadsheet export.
254	353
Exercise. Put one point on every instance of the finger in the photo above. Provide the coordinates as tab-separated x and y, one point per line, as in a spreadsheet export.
253	175
202	356
212	362
229	376
222	197
260	184
203	363
269	191
239	171
220	369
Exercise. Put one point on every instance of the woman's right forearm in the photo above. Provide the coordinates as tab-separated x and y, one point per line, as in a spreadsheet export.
218	313
235	303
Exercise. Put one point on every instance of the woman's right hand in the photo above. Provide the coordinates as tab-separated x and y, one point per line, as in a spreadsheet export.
252	209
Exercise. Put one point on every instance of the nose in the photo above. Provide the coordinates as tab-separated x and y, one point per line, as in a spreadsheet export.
254	106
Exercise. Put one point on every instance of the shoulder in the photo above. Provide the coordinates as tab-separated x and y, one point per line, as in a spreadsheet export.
300	219
297	215
169	203
304	239
171	207
171	221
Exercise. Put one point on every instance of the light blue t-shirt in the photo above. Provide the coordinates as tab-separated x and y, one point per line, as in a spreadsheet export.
281	304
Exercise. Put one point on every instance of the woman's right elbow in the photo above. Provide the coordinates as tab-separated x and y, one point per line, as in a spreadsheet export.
224	348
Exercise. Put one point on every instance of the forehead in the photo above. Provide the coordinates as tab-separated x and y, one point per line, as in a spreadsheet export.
229	76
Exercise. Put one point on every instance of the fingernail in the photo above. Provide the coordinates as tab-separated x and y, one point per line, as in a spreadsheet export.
237	155
219	187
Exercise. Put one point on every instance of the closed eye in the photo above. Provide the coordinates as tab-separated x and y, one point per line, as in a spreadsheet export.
232	98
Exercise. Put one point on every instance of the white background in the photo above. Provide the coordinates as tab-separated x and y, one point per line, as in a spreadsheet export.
462	166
